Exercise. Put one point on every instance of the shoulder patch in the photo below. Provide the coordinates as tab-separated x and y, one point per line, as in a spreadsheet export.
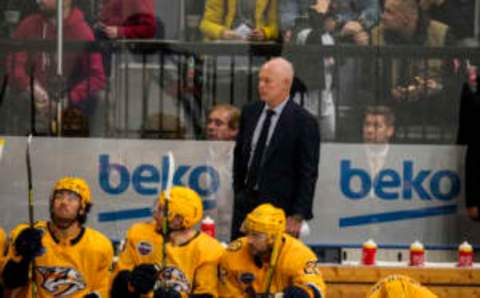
234	245
144	248
312	267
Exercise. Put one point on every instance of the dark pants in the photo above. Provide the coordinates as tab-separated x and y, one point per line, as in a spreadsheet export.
245	201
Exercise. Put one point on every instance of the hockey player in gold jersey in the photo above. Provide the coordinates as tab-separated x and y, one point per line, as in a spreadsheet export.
267	261
192	257
69	260
399	286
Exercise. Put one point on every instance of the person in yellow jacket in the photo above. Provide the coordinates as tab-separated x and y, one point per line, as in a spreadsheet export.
60	257
269	261
190	267
255	20
399	286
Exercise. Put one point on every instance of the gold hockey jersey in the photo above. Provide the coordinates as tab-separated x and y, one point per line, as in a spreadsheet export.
71	268
191	267
297	265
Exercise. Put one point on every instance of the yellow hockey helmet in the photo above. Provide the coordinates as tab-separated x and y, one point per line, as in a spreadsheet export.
265	219
184	202
394	286
76	185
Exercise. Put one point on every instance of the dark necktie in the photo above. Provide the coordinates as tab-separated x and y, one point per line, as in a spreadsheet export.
255	164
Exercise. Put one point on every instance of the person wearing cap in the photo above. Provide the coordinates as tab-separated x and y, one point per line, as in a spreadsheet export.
395	286
189	268
60	257
269	261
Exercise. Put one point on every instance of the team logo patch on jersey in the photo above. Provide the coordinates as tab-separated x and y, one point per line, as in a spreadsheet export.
235	245
61	281
173	277
312	267
144	248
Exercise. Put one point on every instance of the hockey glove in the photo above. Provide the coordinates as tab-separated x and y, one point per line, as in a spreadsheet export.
29	243
143	277
294	292
166	293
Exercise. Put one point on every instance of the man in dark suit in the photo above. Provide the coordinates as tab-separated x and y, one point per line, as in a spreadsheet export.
276	152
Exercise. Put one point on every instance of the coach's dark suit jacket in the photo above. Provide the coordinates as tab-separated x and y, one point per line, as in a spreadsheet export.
290	164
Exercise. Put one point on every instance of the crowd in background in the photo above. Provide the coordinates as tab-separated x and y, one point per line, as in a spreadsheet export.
324	82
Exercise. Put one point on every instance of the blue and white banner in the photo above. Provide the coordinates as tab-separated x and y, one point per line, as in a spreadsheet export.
417	193
125	177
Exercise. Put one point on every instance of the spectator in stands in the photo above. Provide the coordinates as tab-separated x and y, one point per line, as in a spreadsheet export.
404	23
222	122
351	22
459	15
318	73
354	18
253	20
124	19
291	13
83	72
395	286
128	19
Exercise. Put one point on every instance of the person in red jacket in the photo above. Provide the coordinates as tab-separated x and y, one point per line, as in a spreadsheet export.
128	19
83	73
125	19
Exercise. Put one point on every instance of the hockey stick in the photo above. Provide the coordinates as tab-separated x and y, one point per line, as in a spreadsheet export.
273	263
31	269
30	186
171	169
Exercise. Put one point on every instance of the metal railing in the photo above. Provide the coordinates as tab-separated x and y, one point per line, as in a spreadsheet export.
163	89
